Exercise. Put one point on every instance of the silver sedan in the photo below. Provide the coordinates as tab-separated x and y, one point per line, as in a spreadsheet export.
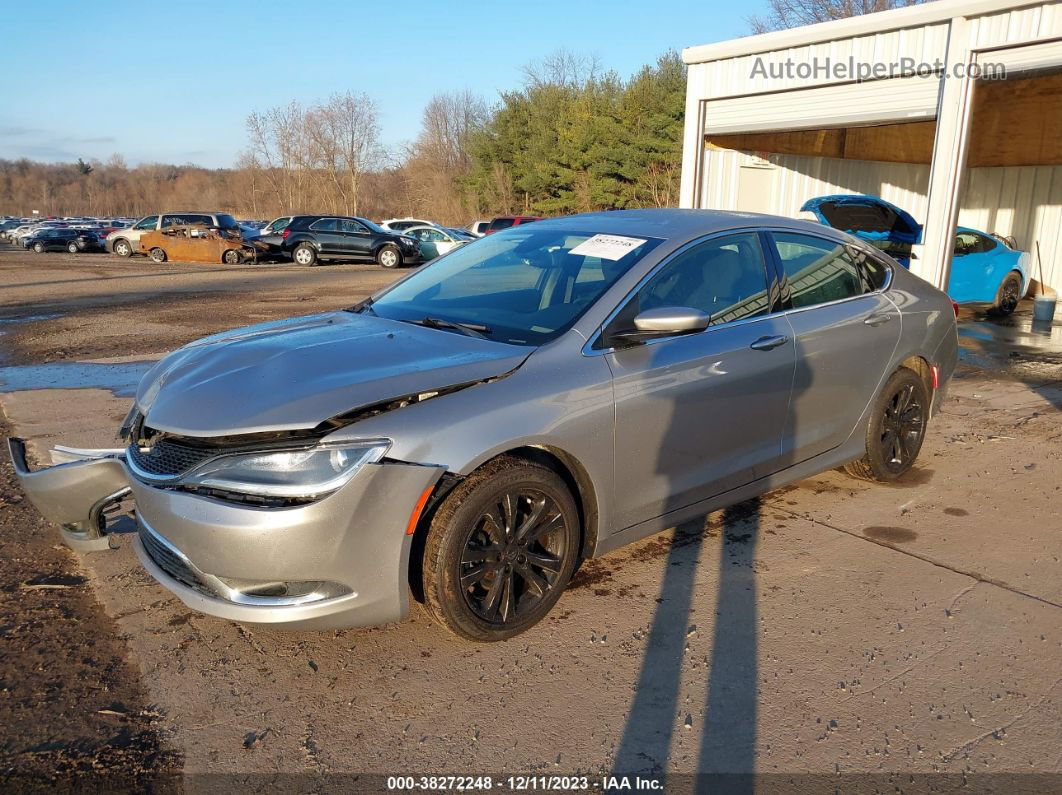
545	395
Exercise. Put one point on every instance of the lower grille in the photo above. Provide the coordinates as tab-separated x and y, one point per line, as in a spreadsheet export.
171	563
167	458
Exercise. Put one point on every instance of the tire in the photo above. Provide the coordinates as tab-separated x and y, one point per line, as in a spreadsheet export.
389	257
38	247
1008	295
896	429
514	567
157	255
231	257
304	254
72	248
122	248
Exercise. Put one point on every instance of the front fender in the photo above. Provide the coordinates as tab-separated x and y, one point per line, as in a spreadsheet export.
75	493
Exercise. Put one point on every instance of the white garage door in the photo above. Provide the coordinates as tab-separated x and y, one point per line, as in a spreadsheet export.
873	102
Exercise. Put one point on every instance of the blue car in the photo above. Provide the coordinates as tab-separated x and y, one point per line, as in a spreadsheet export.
984	269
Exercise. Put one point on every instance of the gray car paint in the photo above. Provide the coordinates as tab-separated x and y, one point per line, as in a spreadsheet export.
591	409
292	376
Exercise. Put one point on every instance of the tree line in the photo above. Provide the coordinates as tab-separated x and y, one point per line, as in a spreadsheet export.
572	138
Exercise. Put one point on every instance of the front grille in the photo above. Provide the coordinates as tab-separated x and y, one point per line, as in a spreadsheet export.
167	458
171	563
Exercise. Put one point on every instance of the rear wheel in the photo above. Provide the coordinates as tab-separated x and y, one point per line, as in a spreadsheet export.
38	247
389	257
158	255
896	430
304	254
122	248
72	247
1009	294
500	550
231	257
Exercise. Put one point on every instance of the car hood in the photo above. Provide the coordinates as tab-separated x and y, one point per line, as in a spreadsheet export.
295	374
866	217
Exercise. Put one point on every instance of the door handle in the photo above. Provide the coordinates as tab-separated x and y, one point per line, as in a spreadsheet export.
878	318
768	343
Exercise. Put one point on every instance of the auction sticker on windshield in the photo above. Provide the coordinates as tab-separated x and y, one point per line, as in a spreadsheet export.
607	246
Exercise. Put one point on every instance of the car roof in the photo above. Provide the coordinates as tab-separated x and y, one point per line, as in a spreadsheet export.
676	223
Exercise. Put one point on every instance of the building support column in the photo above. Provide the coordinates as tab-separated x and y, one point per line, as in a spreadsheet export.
692	140
949	159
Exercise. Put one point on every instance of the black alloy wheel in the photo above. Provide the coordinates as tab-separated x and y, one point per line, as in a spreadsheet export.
896	429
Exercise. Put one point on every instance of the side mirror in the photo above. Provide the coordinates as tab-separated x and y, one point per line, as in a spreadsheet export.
665	321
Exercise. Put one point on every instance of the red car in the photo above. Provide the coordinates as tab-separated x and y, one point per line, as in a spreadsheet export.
505	221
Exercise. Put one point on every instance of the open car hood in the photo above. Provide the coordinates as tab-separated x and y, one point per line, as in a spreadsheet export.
295	374
867	217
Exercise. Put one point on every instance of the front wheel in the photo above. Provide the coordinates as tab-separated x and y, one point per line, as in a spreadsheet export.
38	247
1009	295
122	248
389	257
500	550
72	248
896	429
158	255
304	255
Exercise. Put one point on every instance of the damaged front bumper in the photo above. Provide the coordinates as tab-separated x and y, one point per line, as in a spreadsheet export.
76	493
340	561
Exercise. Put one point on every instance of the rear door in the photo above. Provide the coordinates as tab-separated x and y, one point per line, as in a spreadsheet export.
326	232
700	414
846	331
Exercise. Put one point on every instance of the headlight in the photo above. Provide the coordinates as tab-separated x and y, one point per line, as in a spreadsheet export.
287	473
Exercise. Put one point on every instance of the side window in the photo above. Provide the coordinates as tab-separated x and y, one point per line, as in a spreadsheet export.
433	236
171	220
205	220
501	223
966	243
817	270
873	270
324	225
352	226
148	223
726	278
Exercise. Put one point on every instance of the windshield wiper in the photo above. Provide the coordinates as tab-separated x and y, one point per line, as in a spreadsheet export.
362	306
469	329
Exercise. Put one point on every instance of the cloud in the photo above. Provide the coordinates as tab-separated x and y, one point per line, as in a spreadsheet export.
19	132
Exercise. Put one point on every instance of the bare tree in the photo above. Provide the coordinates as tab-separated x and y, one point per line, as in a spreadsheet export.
782	14
562	68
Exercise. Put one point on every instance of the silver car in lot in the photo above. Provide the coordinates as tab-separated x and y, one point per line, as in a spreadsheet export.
544	395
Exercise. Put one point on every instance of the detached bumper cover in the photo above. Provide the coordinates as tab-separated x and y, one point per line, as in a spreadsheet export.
74	494
205	550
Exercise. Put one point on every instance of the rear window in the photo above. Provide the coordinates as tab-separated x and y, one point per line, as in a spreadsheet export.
501	223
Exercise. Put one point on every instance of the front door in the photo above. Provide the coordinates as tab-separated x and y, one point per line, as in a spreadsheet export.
356	240
846	331
702	413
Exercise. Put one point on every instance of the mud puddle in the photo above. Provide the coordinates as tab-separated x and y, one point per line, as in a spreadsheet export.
121	379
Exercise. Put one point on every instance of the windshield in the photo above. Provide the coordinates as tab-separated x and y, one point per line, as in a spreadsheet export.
227	221
526	285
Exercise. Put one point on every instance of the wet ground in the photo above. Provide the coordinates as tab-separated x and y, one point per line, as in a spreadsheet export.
832	629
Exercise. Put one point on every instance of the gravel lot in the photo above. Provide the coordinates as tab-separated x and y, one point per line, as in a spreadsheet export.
829	629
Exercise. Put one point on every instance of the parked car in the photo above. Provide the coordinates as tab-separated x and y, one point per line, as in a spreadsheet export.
72	240
984	269
310	238
435	241
478	228
402	224
473	431
506	221
126	242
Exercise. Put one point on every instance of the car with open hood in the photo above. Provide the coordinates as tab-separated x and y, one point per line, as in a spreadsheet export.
468	435
985	269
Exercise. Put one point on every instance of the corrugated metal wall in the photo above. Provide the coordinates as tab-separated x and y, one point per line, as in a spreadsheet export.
1022	202
1017	26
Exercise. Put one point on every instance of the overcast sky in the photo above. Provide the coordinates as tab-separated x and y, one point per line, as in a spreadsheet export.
175	82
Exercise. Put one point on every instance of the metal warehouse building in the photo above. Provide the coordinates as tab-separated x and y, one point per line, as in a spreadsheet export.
775	119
